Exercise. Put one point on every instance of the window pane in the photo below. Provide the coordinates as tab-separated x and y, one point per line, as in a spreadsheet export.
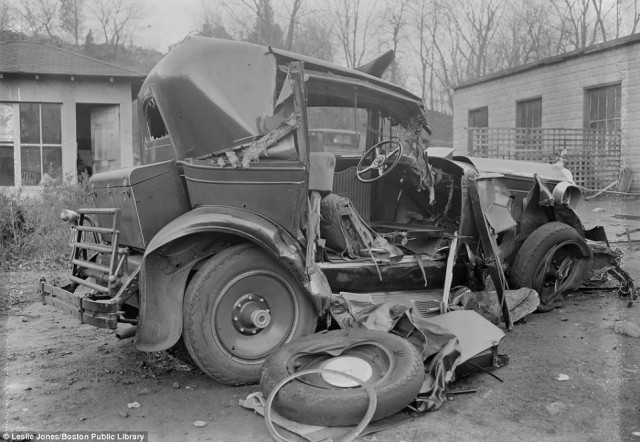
593	106
30	165
7	177
6	123
529	113
611	103
479	117
52	165
51	127
29	123
604	107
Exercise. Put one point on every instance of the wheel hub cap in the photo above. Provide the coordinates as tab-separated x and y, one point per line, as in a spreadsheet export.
356	367
251	314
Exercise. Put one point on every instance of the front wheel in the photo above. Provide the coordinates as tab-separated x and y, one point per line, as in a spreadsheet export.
240	307
553	260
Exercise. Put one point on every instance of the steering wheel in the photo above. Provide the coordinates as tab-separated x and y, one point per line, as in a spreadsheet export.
377	157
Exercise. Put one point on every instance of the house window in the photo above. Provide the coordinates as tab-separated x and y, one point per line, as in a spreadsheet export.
479	117
603	108
478	135
529	113
40	144
7	137
529	144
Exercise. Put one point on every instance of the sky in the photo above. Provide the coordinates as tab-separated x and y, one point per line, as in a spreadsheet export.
167	22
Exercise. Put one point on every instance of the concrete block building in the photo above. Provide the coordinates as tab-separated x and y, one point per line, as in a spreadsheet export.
62	113
585	102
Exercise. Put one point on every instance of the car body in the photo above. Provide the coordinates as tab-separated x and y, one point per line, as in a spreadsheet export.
239	228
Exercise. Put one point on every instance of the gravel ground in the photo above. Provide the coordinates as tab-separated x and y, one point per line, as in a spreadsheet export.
63	376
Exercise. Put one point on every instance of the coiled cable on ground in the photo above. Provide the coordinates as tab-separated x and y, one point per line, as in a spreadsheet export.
373	403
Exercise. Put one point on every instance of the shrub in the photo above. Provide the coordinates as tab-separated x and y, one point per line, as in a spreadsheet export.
30	225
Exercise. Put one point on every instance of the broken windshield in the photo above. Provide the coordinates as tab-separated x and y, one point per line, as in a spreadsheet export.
339	130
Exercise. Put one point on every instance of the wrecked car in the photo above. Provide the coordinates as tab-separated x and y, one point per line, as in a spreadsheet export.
239	228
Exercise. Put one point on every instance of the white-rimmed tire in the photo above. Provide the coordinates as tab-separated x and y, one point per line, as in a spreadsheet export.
391	364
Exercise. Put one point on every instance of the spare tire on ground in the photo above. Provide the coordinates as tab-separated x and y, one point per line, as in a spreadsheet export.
391	364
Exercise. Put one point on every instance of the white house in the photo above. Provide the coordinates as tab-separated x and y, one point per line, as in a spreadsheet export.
62	112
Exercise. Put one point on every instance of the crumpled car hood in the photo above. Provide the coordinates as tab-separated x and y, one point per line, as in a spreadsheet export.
212	93
209	96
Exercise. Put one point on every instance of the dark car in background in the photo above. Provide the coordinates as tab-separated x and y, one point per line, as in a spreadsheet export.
338	141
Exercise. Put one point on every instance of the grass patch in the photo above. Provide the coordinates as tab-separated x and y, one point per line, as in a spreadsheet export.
30	225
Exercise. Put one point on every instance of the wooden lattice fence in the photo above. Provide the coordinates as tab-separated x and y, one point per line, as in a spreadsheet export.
594	155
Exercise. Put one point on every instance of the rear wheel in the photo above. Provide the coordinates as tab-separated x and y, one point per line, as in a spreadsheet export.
240	307
553	260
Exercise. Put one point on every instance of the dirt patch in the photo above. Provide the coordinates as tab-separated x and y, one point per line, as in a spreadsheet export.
62	376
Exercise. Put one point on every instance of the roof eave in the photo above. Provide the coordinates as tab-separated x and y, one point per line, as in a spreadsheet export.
612	44
69	75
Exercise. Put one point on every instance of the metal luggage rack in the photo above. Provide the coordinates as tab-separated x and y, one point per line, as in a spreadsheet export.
84	265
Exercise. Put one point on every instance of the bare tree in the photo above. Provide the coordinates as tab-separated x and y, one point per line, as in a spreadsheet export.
293	21
307	30
265	30
354	28
71	17
394	24
600	17
578	24
250	20
257	21
425	25
635	16
210	21
116	17
449	57
476	23
7	15
39	15
526	35
313	38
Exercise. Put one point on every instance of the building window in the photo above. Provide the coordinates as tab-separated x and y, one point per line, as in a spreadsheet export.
479	117
529	141
478	136
603	107
40	144
7	137
529	113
